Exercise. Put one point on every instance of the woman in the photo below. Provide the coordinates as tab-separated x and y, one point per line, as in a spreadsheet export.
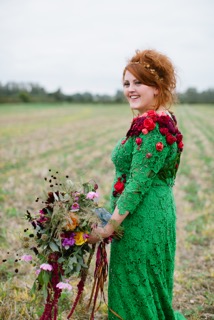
146	161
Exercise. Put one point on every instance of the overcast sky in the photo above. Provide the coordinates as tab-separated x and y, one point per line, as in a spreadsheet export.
83	45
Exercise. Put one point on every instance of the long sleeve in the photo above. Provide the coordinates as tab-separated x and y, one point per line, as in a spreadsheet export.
149	155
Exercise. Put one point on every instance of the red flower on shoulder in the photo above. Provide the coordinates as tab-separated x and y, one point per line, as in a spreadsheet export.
180	145
159	146
149	124
151	113
170	139
164	131
179	137
145	131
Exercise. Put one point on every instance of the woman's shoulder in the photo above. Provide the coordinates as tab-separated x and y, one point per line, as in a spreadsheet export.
163	123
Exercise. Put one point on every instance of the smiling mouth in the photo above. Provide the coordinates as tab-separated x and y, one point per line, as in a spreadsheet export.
134	97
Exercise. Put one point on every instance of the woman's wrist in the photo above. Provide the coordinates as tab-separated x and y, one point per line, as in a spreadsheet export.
102	233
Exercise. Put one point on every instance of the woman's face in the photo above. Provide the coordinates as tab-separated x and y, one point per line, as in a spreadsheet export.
139	96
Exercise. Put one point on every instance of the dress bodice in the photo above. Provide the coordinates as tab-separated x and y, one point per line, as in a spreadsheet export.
148	155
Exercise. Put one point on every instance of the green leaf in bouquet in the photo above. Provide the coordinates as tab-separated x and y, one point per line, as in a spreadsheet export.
45	277
58	242
53	246
86	187
81	261
72	261
33	289
84	223
61	259
45	291
78	268
66	197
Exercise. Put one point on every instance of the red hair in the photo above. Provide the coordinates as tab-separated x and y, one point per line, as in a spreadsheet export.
155	69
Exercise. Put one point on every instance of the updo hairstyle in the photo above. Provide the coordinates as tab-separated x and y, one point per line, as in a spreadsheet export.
156	70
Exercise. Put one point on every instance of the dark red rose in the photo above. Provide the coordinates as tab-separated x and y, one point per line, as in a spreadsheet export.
170	139
179	137
138	141
136	127
164	131
159	146
163	120
119	186
148	155
171	126
149	124
180	145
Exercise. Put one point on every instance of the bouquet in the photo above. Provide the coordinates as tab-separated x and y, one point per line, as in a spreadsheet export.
59	238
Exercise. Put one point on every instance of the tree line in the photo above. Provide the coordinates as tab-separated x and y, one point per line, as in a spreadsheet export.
13	92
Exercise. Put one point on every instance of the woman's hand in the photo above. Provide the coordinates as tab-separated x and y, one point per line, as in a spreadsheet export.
99	233
96	235
92	239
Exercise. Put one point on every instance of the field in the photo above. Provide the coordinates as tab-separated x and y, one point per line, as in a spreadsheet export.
77	140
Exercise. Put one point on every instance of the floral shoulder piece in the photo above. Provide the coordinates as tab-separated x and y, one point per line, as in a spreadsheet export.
148	121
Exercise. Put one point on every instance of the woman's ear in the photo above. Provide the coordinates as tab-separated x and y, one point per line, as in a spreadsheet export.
156	91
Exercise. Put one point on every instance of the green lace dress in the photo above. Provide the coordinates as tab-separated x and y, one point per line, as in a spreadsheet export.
142	262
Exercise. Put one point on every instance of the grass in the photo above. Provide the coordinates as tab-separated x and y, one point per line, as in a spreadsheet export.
77	140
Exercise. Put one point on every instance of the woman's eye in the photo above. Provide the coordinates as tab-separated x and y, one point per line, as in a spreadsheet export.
126	84
137	82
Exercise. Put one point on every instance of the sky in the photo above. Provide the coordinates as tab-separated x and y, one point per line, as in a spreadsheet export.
83	45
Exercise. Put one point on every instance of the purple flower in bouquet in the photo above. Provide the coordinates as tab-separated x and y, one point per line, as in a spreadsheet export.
68	242
63	285
46	267
26	257
92	195
75	207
